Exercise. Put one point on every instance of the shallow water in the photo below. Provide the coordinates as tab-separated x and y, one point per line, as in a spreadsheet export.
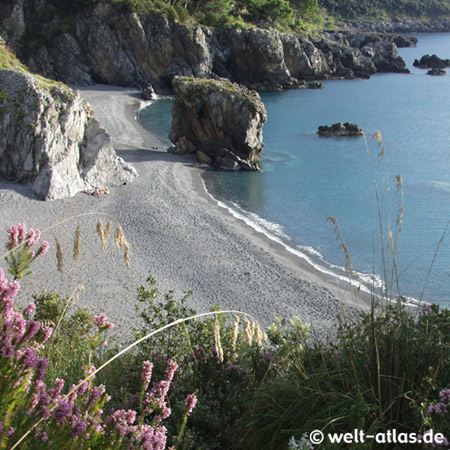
306	178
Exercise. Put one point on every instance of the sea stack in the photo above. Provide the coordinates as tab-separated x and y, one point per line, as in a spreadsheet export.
340	130
219	119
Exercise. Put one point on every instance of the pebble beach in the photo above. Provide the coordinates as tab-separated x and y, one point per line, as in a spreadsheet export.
176	231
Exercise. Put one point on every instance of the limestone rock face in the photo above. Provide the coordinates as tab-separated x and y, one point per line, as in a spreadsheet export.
51	141
220	119
339	129
107	45
254	57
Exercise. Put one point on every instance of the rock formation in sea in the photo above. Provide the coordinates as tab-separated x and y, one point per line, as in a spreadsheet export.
219	120
106	45
339	130
436	71
431	62
51	141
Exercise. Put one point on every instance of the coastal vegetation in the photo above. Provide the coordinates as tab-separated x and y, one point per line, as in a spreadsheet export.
386	9
211	383
281	13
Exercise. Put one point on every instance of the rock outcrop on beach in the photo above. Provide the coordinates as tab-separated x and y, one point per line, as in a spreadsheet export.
219	120
340	130
51	141
106	45
431	62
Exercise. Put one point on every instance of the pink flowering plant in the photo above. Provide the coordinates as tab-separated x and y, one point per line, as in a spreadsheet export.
437	417
23	250
37	415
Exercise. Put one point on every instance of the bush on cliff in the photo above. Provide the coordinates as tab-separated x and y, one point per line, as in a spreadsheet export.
353	9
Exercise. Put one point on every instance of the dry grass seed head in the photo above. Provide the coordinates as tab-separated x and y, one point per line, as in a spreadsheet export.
119	237
103	233
107	233
217	338
248	331
77	243
59	255
126	255
377	135
235	331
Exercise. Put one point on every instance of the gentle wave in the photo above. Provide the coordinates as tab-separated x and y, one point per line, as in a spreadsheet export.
145	103
274	231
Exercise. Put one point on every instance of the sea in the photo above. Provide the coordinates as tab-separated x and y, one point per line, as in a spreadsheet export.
372	203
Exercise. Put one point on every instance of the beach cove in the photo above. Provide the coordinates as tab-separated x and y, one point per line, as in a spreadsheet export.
176	232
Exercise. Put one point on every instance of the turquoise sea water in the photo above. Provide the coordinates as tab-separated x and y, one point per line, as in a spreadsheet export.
306	178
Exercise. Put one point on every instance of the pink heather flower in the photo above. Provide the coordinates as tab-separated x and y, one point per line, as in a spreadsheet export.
444	396
190	402
83	388
32	237
89	370
29	309
147	368
100	320
43	249
438	408
56	391
172	366
47	333
61	411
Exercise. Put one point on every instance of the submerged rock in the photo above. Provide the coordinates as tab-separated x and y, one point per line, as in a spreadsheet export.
220	119
51	140
431	62
339	129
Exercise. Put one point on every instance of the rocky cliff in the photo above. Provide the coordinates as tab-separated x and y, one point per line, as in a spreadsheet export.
104	45
219	120
51	141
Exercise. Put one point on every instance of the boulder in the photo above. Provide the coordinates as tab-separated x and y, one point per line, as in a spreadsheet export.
148	93
339	129
315	85
203	158
436	71
219	118
431	62
184	146
402	41
51	141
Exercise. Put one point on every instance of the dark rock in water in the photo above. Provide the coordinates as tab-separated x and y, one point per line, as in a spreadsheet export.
436	71
405	41
148	93
315	85
339	129
220	119
431	62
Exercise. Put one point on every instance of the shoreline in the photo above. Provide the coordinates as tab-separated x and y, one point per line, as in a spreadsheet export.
177	232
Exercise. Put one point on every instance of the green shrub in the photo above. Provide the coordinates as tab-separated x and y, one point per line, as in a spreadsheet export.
374	375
